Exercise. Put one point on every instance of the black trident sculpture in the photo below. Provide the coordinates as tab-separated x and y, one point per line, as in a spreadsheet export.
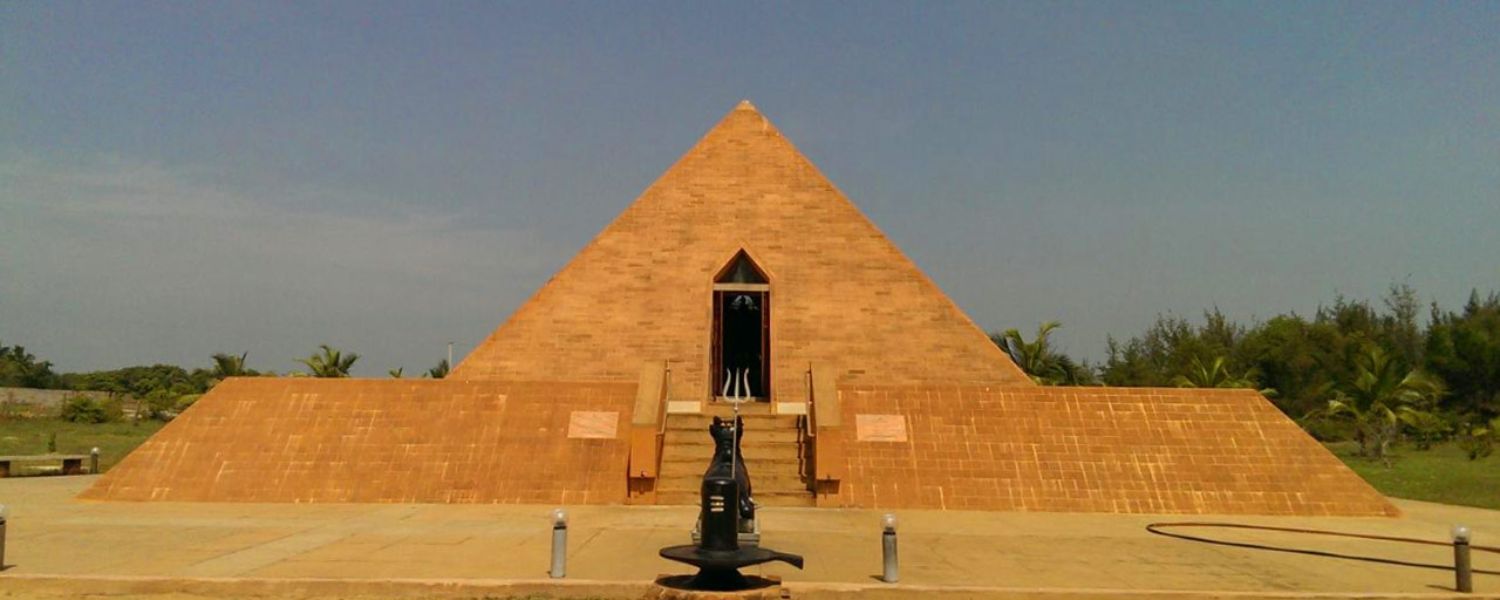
726	496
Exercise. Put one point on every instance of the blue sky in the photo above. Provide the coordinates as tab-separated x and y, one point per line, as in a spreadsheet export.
178	179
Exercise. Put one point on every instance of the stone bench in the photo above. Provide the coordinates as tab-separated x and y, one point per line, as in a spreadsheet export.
71	464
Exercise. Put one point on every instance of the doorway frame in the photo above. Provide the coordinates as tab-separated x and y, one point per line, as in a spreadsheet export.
715	341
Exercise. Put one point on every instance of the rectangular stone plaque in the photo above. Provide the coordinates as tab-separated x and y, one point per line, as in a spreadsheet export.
684	407
791	408
880	428
594	425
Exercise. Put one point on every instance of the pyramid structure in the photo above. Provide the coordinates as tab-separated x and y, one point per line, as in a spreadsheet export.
842	292
905	402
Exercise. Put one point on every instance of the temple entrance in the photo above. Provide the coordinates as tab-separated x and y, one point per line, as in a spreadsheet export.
741	356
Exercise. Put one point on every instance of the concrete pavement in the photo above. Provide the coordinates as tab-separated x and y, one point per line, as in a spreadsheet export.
50	534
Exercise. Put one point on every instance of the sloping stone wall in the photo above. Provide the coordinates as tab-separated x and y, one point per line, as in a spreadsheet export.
350	440
1122	450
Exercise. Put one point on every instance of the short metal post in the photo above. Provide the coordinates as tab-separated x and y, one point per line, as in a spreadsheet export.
1463	572
4	516
94	461
892	572
559	544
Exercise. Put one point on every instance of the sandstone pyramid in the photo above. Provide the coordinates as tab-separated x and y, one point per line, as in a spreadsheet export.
841	292
878	390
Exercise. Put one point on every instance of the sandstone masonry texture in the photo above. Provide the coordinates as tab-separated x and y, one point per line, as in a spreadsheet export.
341	440
1122	450
541	411
841	292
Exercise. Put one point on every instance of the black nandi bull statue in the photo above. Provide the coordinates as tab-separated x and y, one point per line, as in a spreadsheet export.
729	462
725	513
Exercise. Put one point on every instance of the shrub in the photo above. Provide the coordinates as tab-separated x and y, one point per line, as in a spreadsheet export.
1478	441
159	405
1426	429
184	402
83	409
1327	430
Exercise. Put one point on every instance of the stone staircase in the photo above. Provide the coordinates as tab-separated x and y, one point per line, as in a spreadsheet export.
772	453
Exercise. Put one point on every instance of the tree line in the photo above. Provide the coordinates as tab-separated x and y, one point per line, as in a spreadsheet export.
163	390
1351	370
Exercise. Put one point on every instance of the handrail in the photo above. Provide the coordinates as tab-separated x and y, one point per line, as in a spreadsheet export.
666	395
812	413
648	421
828	460
807	441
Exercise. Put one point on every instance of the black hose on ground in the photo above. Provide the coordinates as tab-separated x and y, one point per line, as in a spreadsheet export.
1156	528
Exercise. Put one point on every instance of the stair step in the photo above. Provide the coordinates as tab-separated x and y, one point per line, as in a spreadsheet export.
762	499
757	470
771	449
752	431
702	454
758	460
751	437
724	409
751	420
760	493
760	485
761	479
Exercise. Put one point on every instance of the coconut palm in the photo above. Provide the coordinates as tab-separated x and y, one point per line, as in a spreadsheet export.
440	371
396	372
330	362
229	365
1215	374
1378	397
1037	359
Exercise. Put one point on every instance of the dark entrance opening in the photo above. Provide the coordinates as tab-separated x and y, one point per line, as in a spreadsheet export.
742	331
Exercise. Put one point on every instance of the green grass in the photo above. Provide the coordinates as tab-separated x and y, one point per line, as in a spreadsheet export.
1443	474
115	440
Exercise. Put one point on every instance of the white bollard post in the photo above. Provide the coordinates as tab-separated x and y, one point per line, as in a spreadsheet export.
892	572
1463	569
94	461
559	544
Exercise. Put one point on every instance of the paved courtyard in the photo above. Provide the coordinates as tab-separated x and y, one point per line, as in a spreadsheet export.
50	533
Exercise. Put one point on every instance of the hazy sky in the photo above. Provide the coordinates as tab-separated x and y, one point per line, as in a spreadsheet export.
189	178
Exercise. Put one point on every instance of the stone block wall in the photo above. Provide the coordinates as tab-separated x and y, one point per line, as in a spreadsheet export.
36	402
348	440
1122	450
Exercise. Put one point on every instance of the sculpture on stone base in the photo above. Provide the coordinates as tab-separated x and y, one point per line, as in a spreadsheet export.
725	508
729	461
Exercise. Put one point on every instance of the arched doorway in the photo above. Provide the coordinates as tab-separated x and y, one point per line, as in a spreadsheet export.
741	348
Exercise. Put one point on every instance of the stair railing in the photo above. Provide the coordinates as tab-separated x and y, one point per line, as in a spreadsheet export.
807	437
822	444
666	395
648	428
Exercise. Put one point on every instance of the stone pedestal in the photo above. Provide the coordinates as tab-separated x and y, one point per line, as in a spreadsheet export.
675	587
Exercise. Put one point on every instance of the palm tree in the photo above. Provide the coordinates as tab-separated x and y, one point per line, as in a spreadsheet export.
1034	357
1214	375
1378	397
440	371
330	363
396	372
229	365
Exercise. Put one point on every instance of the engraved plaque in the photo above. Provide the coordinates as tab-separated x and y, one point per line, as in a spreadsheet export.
880	428
593	425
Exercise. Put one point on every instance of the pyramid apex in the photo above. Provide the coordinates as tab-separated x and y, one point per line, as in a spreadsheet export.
745	105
